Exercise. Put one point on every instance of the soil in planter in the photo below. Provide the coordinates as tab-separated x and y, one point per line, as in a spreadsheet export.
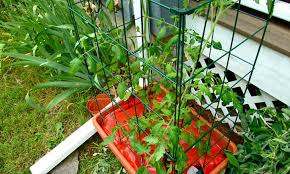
224	127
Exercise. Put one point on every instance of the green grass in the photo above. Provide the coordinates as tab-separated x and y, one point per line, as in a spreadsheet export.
26	134
97	159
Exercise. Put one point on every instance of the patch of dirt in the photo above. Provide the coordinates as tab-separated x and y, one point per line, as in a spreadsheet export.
223	127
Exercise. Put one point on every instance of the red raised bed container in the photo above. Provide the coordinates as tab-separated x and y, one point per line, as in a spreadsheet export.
104	122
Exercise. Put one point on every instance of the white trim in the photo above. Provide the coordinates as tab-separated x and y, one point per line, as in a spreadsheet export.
61	151
281	9
66	147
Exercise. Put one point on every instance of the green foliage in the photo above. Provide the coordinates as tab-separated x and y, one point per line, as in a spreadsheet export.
185	3
109	139
122	91
45	30
77	64
161	33
142	170
139	147
163	133
171	42
232	159
266	144
151	139
119	53
110	5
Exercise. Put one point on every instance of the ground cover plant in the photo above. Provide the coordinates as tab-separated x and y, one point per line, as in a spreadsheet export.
266	143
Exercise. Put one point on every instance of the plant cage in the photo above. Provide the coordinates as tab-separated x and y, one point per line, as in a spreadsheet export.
146	91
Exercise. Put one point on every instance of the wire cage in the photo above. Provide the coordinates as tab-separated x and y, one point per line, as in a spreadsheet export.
143	66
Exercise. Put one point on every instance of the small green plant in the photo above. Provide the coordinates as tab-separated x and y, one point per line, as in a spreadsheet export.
98	159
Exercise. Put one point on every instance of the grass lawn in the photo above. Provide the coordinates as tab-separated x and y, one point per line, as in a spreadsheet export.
26	134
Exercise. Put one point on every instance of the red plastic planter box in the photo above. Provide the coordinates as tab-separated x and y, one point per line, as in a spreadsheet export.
105	121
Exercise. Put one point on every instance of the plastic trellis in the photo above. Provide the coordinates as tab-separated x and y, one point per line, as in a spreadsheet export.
154	127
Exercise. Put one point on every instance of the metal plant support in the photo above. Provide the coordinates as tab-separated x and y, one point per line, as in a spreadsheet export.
119	66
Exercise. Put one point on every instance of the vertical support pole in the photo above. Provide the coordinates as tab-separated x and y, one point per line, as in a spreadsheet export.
179	75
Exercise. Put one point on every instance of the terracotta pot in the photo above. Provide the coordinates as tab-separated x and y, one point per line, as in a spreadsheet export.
96	105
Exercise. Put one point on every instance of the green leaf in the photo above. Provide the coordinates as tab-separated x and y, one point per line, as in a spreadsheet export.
185	3
43	62
226	97
170	71
1	47
217	45
205	90
68	43
139	147
181	160
142	170
92	65
156	128
110	5
119	54
121	90
60	98
127	96
237	104
161	34
171	42
31	102
64	26
270	5
280	141
199	124
75	65
151	139
109	139
166	112
144	122
189	97
173	135
63	84
159	152
232	159
286	111
159	167
187	137
96	82
171	75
